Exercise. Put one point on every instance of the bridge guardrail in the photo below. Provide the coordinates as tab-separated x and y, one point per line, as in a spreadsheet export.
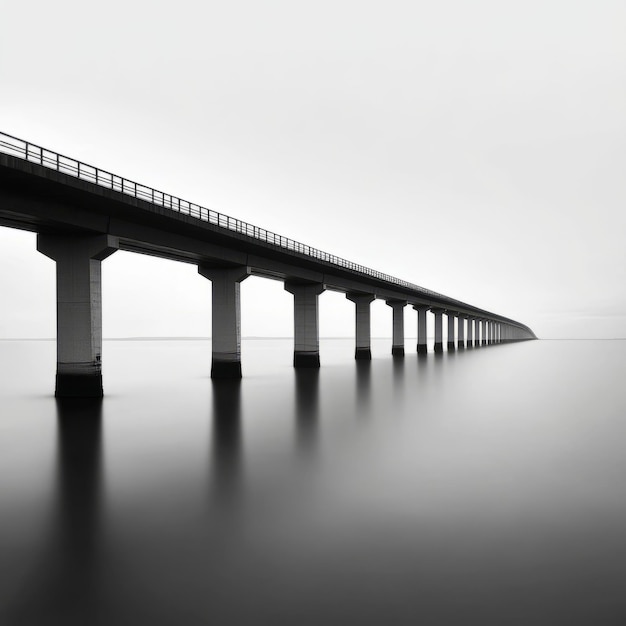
47	158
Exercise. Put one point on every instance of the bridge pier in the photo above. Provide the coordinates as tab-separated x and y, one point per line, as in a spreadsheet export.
438	329
362	302
461	332
470	332
226	319
79	310
421	309
483	332
306	350
451	345
397	344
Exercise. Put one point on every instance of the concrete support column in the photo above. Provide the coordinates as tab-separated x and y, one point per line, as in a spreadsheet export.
470	332
461	332
79	310
451	345
363	334
397	344
226	319
306	333
438	329
484	332
421	328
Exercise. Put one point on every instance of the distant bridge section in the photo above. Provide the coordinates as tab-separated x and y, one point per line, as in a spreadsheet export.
82	214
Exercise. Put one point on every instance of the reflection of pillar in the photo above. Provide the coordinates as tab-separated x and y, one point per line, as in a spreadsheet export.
397	344
438	329
461	335
306	349
421	328
226	319
79	310
363	335
450	315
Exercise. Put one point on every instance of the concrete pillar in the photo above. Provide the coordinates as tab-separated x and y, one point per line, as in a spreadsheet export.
470	332
451	345
397	344
461	332
79	310
421	328
306	329
226	319
484	332
438	329
363	334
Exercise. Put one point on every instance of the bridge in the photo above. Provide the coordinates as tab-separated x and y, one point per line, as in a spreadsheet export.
83	214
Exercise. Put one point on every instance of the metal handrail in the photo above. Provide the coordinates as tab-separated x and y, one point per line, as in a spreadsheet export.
66	165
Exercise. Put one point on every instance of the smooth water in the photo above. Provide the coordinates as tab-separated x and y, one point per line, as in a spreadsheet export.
485	486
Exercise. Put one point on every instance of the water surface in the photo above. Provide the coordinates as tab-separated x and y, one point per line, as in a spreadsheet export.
485	486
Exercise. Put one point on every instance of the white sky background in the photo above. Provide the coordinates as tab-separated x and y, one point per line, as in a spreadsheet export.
475	148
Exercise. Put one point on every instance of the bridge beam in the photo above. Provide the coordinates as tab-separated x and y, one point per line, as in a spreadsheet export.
422	309
437	312
306	350
397	344
451	315
362	302
226	319
79	310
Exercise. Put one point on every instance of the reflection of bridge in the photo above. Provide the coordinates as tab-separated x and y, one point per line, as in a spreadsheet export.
83	214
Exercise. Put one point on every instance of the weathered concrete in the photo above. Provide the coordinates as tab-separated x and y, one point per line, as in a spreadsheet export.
422	328
437	312
226	319
397	343
306	350
484	332
451	343
362	302
79	310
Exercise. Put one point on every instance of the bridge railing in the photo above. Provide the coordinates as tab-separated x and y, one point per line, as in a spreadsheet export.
42	156
47	158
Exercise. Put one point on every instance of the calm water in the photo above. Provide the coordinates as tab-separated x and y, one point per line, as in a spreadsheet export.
482	487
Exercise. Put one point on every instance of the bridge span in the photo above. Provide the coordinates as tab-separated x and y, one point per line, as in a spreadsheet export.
83	214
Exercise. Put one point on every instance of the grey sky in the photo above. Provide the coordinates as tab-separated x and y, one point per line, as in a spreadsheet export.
475	148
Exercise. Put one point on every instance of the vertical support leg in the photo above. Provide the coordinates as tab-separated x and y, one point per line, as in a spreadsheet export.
306	350
470	332
421	328
363	334
461	337
226	319
451	345
484	332
79	310
397	345
438	329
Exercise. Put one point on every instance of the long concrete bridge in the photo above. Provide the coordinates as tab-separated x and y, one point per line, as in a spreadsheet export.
83	214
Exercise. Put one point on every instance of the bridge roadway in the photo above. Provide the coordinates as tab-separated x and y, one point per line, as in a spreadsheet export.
82	214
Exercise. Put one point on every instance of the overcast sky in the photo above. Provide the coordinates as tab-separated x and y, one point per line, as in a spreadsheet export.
474	148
